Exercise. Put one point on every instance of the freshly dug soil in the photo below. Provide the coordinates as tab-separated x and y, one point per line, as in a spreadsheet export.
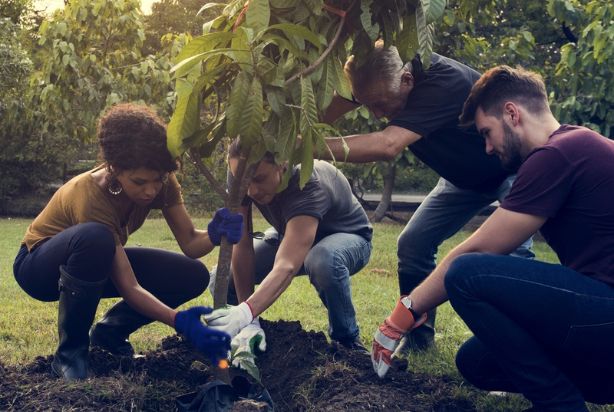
300	369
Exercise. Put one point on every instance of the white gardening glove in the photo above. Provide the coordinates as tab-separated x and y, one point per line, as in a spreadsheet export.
230	319
246	342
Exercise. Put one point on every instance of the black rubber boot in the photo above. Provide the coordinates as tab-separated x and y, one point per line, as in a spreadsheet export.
112	332
77	308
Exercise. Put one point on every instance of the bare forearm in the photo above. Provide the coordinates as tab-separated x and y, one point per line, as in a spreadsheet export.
198	246
337	108
359	148
148	305
276	282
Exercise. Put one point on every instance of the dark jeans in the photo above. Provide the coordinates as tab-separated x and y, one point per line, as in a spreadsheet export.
541	329
87	251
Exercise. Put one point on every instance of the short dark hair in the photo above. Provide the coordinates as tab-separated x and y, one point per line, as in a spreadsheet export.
234	152
132	136
501	84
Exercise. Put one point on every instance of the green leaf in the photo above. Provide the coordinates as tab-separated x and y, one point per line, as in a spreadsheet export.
286	138
186	117
407	38
202	44
302	32
258	15
250	128
183	67
365	18
326	85
342	84
425	37
433	9
309	113
208	6
276	100
236	104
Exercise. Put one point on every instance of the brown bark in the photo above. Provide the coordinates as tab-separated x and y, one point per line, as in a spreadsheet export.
384	204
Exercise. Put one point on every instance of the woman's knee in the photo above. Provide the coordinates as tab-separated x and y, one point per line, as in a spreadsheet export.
198	277
95	237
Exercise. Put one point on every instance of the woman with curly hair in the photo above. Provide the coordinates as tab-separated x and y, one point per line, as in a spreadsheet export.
74	251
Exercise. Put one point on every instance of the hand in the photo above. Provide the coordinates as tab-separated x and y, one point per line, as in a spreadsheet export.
388	336
230	319
225	223
245	343
213	343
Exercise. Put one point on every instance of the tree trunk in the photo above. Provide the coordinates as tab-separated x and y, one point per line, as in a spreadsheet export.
236	194
384	204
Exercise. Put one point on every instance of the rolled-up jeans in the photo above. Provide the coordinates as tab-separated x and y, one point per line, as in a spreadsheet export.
329	265
541	329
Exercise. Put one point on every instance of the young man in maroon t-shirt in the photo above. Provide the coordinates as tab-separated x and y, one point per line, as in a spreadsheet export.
540	329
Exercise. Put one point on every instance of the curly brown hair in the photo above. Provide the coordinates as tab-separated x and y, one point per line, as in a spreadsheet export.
132	136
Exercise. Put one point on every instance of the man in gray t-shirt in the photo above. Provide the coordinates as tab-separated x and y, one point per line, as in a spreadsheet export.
321	231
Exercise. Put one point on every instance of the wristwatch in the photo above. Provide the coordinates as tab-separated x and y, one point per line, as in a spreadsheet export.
406	301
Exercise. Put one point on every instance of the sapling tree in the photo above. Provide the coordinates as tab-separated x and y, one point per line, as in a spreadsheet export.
264	71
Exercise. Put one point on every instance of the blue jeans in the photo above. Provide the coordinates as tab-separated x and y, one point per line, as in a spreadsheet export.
329	265
442	213
540	329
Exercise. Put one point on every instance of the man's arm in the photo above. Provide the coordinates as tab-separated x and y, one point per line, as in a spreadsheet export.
500	234
297	241
337	108
370	147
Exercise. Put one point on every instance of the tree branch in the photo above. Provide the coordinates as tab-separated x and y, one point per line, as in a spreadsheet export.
331	46
204	170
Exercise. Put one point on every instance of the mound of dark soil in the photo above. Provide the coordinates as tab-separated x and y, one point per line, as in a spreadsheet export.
300	369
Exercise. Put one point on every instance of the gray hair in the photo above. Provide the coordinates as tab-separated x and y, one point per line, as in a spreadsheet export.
383	64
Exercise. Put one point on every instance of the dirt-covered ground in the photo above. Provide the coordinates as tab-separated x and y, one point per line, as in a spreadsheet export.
300	369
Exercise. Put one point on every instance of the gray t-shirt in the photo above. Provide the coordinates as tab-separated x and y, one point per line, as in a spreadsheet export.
327	196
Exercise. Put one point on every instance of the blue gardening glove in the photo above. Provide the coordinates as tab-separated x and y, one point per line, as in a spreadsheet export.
230	319
225	223
213	343
246	342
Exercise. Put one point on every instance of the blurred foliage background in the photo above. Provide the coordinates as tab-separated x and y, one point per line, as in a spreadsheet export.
59	71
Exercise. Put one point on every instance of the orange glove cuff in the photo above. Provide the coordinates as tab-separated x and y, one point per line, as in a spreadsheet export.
401	318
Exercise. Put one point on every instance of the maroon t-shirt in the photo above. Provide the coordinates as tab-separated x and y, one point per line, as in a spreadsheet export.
570	181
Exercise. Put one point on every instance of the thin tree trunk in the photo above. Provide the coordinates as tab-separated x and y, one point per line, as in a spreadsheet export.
384	204
237	191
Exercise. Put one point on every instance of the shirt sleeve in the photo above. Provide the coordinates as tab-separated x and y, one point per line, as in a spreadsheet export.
311	201
542	185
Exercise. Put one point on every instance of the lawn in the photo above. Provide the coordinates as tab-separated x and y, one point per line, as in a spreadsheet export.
28	328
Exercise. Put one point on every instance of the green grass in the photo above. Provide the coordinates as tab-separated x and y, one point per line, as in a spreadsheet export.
28	327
